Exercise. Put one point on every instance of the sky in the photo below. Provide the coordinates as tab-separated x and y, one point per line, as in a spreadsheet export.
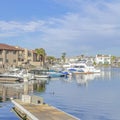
75	27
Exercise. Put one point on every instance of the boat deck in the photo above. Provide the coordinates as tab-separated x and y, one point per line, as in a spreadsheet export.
41	111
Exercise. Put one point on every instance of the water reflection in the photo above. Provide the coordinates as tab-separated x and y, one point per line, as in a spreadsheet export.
99	101
108	73
8	91
105	74
84	79
16	90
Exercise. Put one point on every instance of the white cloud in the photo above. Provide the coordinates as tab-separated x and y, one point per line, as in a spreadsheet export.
31	26
92	26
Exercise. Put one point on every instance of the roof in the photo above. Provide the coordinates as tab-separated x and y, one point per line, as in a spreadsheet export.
34	51
9	47
99	55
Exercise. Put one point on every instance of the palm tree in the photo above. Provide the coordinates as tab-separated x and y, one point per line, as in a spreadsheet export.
51	59
63	56
41	55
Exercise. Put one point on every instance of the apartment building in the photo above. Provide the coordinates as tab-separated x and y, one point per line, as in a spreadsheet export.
14	55
9	55
31	57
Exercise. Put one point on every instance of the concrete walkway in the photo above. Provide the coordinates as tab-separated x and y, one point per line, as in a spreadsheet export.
42	111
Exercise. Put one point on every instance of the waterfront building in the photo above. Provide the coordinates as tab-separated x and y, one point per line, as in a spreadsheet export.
72	59
28	57
9	55
15	56
103	59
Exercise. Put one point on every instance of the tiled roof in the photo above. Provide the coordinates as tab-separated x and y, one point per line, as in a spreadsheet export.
34	51
8	47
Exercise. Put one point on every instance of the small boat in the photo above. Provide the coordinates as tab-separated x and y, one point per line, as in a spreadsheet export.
39	73
53	73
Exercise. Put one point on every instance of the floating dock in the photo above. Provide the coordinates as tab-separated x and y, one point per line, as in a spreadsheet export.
9	79
40	111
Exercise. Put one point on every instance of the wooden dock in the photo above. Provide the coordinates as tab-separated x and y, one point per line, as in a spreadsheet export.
29	111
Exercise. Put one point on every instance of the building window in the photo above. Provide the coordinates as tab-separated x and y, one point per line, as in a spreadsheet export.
0	52
6	60
29	54
1	59
14	61
14	52
7	52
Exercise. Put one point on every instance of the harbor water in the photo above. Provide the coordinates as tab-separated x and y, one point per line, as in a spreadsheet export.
88	97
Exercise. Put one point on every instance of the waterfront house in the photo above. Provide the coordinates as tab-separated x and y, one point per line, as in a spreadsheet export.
115	61
103	59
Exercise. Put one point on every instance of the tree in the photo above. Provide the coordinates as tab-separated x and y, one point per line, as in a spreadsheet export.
41	55
63	56
51	59
113	58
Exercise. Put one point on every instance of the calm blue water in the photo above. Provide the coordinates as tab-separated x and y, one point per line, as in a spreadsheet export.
88	97
6	112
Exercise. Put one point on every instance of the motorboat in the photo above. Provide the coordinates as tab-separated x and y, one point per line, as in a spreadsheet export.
16	75
39	73
46	73
7	77
82	68
54	73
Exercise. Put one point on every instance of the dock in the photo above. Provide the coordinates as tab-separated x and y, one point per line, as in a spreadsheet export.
9	79
40	111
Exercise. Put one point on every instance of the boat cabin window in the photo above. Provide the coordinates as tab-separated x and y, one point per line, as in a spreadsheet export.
82	66
76	66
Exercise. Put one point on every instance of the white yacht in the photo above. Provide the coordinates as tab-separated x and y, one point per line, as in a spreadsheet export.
81	67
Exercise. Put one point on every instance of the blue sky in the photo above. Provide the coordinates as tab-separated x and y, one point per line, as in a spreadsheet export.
76	27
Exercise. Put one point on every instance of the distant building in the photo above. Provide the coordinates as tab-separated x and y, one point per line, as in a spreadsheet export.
72	59
103	59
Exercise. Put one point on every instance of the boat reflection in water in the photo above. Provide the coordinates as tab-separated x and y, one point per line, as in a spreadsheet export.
83	79
88	97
